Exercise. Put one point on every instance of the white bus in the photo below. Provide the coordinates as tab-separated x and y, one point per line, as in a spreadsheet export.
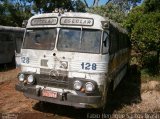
10	40
71	58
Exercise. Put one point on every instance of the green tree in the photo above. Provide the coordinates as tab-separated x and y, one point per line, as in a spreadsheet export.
116	10
14	12
110	10
152	5
44	6
123	4
143	23
3	19
134	15
145	35
126	5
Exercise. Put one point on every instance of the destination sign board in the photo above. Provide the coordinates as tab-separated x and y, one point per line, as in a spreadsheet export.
44	21
77	21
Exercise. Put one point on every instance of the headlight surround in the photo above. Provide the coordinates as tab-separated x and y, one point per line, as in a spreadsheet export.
89	87
21	77
30	79
77	85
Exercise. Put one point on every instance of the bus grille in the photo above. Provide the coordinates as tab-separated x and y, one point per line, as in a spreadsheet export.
53	78
44	62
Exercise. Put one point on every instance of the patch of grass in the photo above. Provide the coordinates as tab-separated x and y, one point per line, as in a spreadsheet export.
124	109
3	78
127	93
145	76
8	74
127	97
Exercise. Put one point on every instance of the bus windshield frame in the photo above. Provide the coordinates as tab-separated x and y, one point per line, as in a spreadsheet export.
69	39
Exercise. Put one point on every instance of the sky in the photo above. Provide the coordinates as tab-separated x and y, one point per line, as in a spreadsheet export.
102	2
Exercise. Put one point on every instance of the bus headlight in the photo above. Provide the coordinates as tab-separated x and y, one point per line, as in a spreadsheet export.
89	86
30	79
21	77
77	85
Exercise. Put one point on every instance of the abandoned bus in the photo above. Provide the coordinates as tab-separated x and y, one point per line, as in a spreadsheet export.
10	40
72	58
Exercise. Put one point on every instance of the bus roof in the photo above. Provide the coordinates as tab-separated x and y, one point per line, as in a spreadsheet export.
118	27
72	20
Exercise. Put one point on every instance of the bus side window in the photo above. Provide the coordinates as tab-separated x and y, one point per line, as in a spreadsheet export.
1	37
105	43
125	42
113	42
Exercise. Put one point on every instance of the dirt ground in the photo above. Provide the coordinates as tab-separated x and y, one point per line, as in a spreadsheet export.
132	96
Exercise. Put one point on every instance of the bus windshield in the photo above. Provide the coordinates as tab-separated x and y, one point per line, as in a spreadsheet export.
42	39
77	40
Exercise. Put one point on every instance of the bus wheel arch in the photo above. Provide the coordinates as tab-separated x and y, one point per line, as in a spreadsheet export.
108	93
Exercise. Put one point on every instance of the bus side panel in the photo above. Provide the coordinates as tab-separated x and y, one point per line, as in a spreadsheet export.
119	55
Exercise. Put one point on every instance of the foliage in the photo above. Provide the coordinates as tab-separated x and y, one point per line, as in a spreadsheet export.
43	6
133	17
146	33
110	10
13	13
116	10
152	5
126	4
150	64
143	24
121	3
49	5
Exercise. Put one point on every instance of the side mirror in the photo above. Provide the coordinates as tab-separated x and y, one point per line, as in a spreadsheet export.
105	24
105	42
24	23
105	39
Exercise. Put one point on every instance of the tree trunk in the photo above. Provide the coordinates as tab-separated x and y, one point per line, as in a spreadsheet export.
107	2
158	60
95	3
86	4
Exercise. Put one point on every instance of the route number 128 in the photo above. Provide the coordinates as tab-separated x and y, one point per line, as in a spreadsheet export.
89	66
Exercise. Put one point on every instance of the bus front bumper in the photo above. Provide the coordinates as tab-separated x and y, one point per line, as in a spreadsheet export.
64	98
